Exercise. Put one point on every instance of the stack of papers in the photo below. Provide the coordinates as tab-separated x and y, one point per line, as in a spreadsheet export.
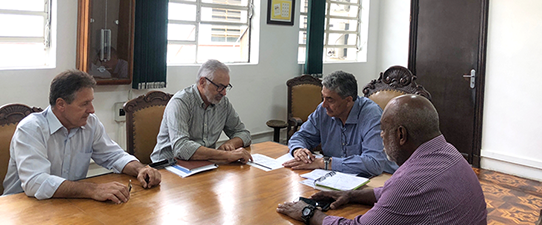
265	163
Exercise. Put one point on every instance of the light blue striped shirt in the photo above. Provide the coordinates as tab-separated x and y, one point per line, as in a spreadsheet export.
43	154
188	125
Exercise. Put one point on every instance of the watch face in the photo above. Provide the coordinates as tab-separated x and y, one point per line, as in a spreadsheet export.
306	211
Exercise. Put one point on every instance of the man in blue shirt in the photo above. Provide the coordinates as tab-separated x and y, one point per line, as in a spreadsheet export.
348	128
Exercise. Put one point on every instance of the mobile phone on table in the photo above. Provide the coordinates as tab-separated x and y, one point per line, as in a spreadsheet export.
162	164
322	205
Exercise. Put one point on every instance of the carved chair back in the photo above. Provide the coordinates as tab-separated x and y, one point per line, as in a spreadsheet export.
393	82
10	116
304	95
143	119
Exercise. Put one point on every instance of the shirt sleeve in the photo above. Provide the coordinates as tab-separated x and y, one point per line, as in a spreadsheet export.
308	135
234	127
33	167
106	152
372	160
177	115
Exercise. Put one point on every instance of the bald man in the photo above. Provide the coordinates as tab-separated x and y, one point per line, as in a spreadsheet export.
433	185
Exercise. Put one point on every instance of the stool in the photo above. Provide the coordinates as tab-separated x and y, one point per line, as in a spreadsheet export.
276	125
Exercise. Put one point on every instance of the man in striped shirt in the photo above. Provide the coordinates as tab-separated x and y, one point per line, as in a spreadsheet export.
433	185
196	116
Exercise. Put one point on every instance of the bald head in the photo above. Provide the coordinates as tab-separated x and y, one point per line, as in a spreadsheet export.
416	114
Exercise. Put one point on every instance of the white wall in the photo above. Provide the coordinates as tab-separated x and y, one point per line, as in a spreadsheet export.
511	141
259	92
393	33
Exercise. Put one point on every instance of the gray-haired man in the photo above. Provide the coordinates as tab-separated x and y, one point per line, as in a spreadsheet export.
196	116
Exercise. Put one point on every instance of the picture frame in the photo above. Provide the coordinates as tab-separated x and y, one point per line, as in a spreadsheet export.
281	12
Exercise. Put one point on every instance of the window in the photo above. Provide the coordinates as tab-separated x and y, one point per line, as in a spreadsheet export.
345	34
209	29
24	33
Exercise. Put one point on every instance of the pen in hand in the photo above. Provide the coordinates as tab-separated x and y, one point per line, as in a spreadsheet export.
129	185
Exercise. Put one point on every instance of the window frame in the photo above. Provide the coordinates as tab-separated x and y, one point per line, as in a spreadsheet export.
358	46
45	38
249	8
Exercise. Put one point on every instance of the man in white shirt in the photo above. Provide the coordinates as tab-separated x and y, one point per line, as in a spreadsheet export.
52	149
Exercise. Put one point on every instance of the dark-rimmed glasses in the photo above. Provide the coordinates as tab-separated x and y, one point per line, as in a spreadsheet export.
220	88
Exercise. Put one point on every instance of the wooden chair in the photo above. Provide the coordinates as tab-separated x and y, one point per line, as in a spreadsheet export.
304	95
143	118
10	116
393	82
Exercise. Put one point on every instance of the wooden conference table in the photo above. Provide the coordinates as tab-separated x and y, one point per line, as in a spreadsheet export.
232	194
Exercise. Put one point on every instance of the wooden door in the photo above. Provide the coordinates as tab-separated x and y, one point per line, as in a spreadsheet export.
447	41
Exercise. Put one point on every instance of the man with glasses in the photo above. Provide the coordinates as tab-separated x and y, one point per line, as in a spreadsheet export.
348	128
196	116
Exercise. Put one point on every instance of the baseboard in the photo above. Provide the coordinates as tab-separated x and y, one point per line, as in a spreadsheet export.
509	164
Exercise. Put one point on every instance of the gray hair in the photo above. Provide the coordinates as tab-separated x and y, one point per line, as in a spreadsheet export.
209	68
342	83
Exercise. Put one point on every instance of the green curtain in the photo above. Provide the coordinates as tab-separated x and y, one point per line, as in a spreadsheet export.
315	38
150	44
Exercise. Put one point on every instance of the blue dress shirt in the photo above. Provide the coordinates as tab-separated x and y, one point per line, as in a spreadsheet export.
356	147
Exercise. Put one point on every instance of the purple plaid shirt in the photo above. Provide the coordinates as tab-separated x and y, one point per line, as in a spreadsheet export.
434	186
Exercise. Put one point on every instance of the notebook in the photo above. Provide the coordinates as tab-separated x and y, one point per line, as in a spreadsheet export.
334	180
186	168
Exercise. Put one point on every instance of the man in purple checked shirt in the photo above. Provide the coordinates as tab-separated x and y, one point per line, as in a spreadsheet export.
433	185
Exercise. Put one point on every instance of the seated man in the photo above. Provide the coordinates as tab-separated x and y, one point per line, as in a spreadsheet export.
433	185
348	128
52	149
195	117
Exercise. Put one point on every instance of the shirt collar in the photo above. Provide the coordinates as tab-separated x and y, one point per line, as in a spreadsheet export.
353	115
54	122
195	91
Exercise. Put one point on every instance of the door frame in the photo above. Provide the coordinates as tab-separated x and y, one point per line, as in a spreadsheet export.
480	76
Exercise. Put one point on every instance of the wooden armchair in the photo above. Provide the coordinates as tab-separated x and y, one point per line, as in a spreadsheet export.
393	82
143	119
10	116
304	95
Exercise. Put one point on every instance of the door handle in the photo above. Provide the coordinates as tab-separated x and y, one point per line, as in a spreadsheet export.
472	77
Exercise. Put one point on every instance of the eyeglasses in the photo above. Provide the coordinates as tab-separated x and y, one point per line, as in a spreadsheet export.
220	88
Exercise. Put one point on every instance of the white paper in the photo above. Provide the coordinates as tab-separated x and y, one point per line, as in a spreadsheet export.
287	157
265	163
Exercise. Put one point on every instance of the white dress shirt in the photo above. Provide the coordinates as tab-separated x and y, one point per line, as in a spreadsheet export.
43	154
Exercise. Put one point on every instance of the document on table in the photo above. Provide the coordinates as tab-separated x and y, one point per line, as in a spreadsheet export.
265	163
287	157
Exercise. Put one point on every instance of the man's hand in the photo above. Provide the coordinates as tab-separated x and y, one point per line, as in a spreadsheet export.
114	191
303	155
300	165
149	177
227	146
292	209
240	154
337	198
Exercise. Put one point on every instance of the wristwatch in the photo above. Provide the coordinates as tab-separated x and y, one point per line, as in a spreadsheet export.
327	159
307	213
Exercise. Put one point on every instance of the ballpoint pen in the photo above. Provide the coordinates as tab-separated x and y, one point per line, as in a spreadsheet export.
129	185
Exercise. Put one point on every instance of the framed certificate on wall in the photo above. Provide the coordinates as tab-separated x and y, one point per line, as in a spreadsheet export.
280	12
